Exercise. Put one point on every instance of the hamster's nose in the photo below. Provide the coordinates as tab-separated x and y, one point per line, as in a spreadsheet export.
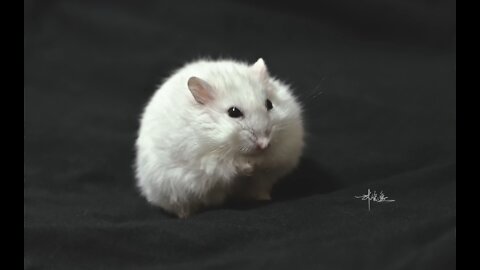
262	143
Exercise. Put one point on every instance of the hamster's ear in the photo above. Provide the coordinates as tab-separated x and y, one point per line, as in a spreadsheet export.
260	69
200	89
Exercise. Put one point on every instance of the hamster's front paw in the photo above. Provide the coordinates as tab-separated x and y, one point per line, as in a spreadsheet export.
245	167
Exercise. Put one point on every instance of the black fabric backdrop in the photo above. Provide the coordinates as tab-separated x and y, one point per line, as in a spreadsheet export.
377	79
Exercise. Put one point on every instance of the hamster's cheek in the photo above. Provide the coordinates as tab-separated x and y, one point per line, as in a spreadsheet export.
225	131
278	114
245	141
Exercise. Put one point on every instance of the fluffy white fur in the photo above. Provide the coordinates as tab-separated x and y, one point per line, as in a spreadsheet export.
191	154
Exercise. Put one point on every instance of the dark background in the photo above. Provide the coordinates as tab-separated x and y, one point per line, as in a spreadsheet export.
378	82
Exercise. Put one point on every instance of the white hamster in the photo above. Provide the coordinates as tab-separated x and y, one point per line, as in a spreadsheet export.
217	130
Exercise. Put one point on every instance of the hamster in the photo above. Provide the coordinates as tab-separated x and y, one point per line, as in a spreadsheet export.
217	130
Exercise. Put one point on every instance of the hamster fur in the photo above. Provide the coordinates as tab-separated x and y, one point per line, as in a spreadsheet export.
194	150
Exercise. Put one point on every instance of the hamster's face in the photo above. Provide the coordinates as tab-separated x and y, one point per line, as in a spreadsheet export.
245	110
249	127
247	118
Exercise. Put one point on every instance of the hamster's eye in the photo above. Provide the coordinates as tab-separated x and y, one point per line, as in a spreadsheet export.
234	112
268	104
